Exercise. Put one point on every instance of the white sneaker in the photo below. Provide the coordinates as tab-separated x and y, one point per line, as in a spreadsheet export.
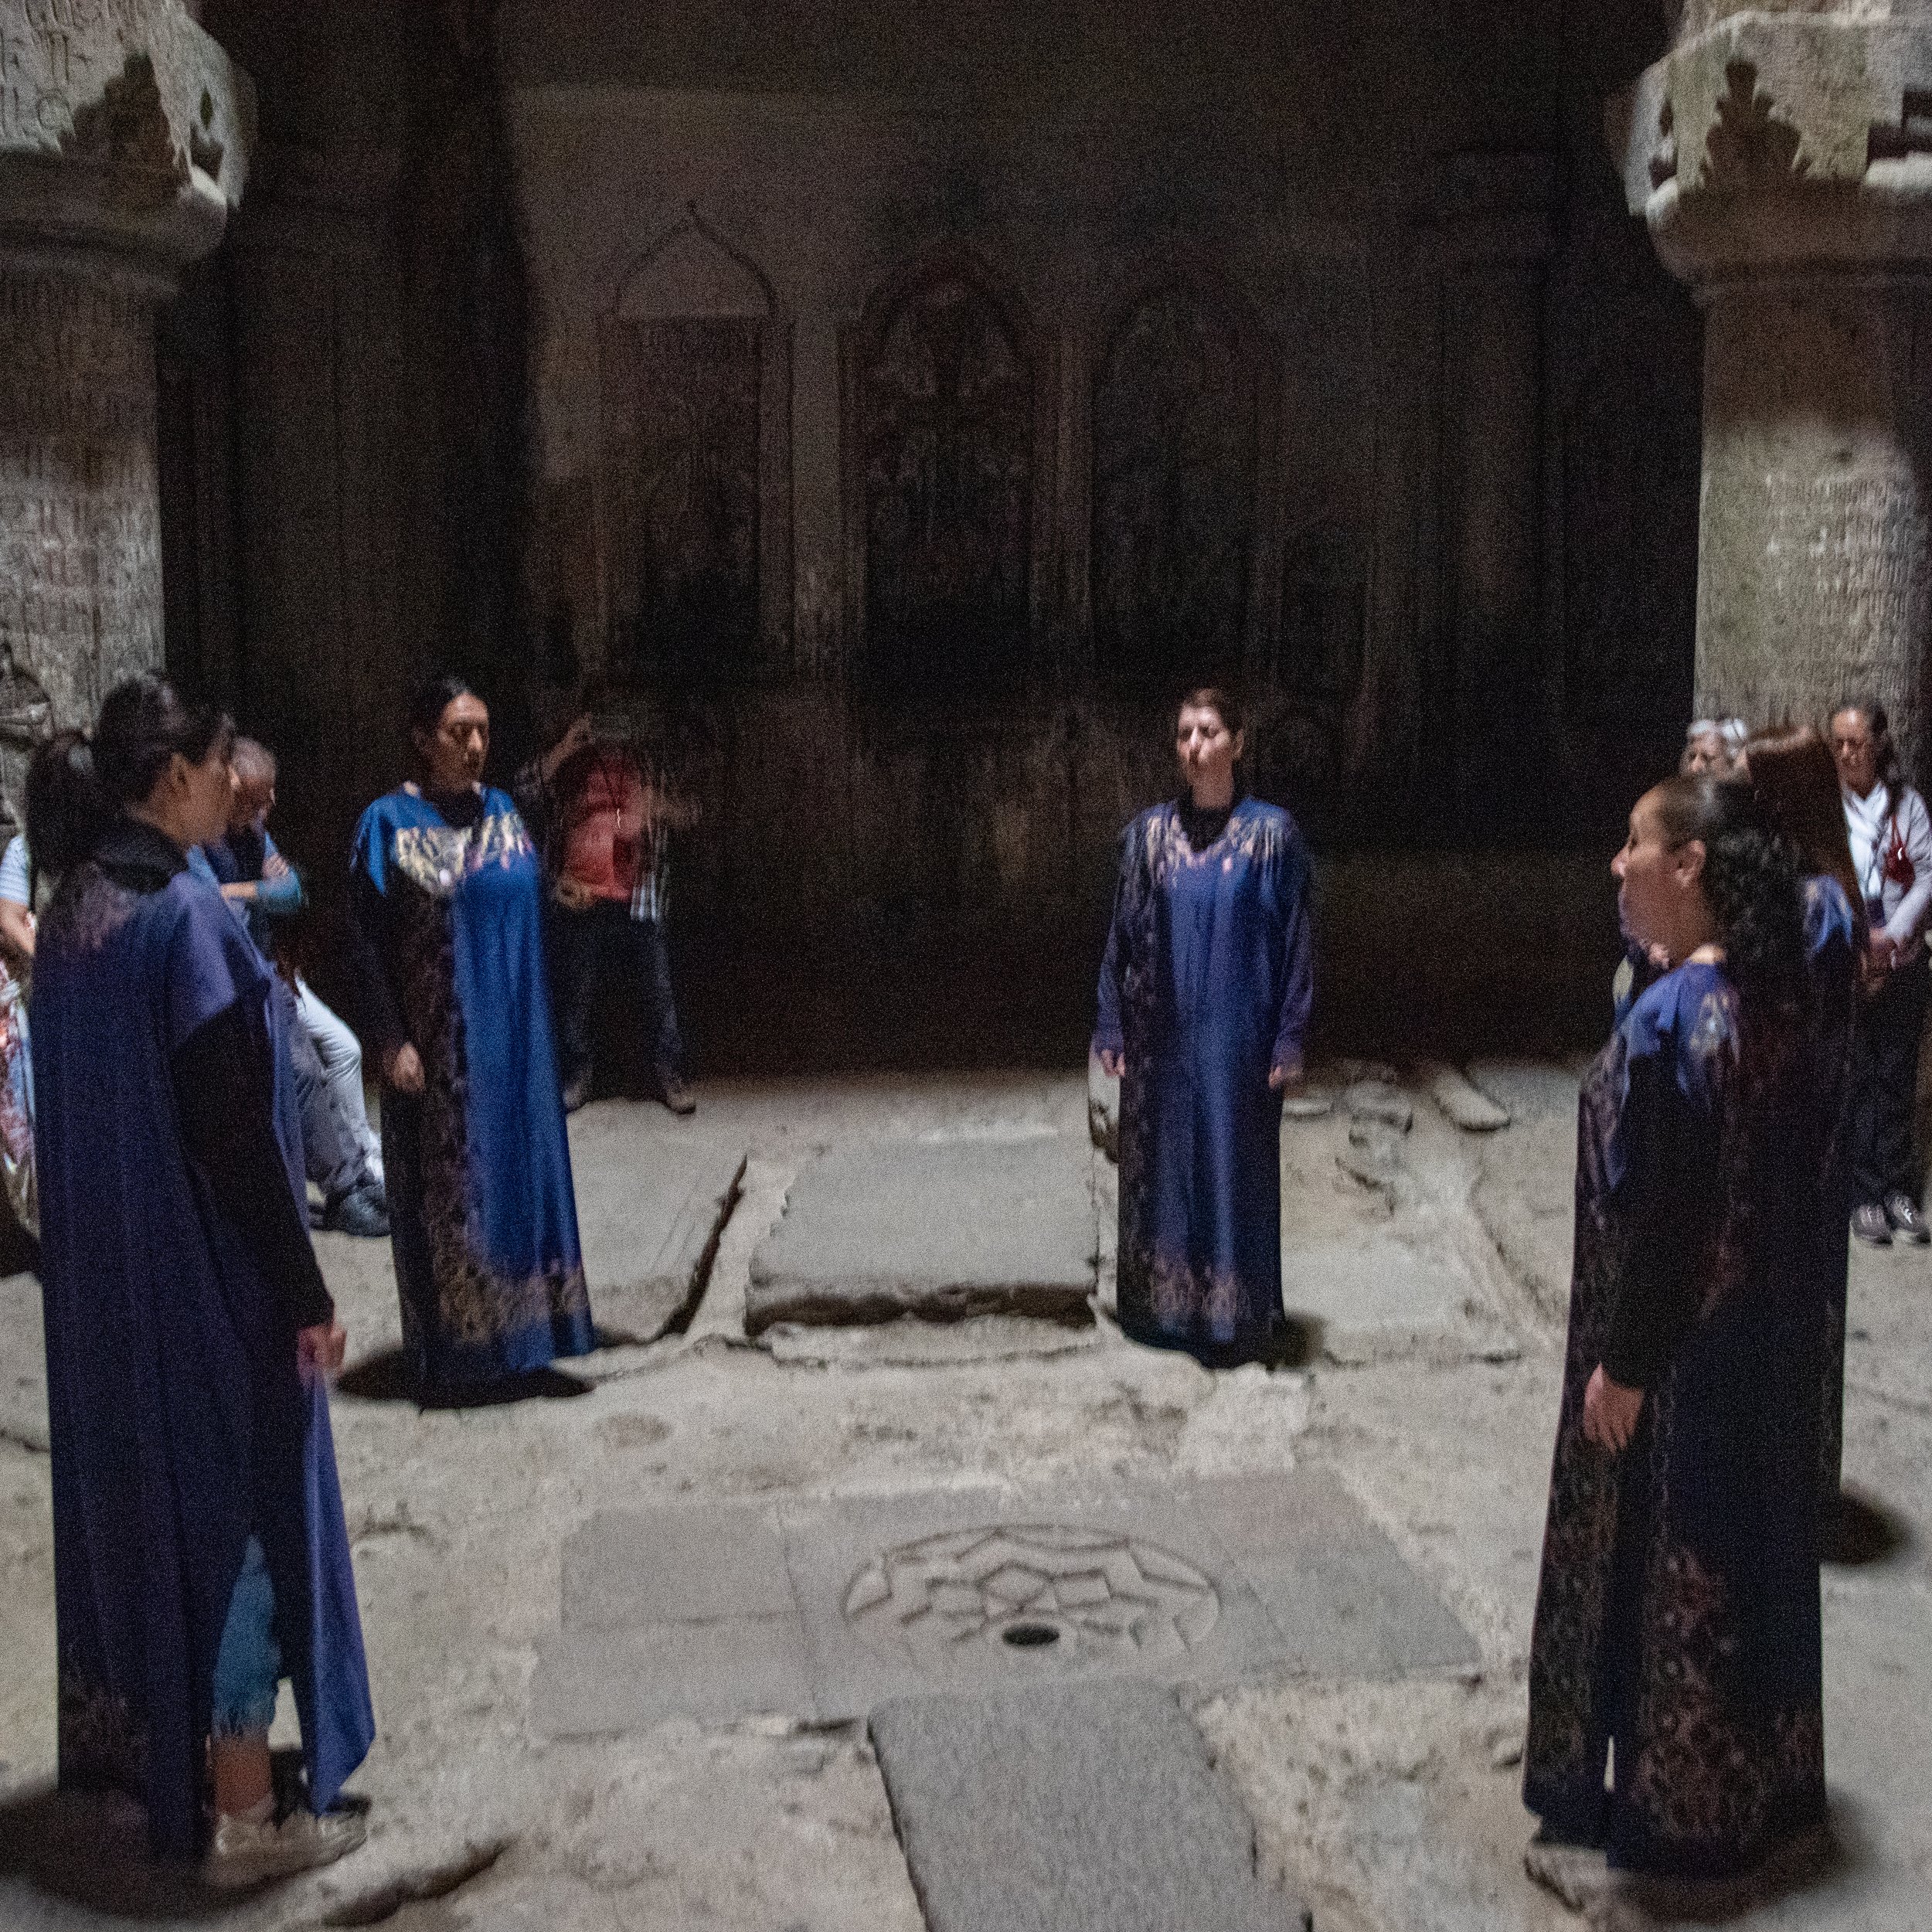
245	1852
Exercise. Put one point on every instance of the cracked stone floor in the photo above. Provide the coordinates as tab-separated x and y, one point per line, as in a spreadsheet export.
1429	1266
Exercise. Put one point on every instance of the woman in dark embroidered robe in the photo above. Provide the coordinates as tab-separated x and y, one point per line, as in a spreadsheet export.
1677	1627
199	1549
1796	779
447	905
1205	994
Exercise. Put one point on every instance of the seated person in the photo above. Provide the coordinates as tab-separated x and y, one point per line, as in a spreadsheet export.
341	1151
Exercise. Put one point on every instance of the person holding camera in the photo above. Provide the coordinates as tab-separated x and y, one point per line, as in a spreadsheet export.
604	818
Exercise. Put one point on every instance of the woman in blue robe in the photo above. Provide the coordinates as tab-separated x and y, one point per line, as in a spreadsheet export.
1205	993
446	906
1796	779
1677	1627
199	1549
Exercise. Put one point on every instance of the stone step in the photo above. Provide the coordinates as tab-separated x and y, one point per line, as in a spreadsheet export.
940	1228
1087	1808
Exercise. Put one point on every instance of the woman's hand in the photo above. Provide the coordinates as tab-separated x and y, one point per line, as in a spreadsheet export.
1610	1412
403	1069
319	1350
573	895
1284	1074
1112	1064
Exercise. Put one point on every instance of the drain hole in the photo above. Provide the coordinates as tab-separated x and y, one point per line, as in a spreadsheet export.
1029	1636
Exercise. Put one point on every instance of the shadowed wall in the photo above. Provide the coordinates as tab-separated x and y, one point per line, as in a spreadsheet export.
906	405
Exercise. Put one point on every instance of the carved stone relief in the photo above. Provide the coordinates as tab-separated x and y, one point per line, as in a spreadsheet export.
1174	488
80	529
1751	144
945	430
680	489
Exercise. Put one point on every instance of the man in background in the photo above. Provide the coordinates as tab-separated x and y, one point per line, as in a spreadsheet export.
604	816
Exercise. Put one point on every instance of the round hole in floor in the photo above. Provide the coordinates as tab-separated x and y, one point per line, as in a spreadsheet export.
1029	1636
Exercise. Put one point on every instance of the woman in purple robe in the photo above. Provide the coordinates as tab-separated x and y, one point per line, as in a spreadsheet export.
199	1549
1205	994
1675	1674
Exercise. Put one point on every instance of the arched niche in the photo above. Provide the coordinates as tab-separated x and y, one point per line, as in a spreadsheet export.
944	424
694	483
1179	390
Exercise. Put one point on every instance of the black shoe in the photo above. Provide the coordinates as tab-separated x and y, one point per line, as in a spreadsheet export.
679	1097
362	1211
1905	1219
1870	1224
576	1093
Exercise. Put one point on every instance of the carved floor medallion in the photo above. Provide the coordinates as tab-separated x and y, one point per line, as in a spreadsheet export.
1077	1594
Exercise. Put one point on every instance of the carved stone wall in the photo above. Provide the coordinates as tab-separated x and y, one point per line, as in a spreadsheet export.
124	135
679	481
913	396
79	526
1176	393
940	483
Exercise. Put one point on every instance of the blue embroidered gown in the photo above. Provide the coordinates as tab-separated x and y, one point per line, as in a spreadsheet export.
1832	949
1206	984
178	1421
1677	1612
482	1211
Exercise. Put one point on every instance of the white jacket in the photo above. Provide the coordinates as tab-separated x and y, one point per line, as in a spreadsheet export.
1869	821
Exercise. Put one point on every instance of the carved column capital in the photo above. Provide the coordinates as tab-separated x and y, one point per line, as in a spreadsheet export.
124	127
1781	144
124	132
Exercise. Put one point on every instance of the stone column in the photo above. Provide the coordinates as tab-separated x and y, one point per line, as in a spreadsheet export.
1783	160
124	139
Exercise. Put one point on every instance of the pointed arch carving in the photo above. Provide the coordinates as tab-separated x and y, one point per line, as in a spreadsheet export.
946	433
694	475
1182	393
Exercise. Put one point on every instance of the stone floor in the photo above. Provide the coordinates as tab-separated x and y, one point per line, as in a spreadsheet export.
625	1641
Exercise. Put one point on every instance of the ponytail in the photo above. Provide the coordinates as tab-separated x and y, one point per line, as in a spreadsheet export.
66	809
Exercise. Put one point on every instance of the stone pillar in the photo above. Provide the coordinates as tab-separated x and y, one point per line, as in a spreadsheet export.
1783	160
124	138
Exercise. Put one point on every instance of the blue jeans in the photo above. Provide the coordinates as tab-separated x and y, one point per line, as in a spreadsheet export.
248	1667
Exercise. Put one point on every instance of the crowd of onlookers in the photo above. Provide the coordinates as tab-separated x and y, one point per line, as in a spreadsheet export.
1889	838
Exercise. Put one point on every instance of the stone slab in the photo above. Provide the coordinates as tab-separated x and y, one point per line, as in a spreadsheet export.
942	1229
860	1659
1088	1809
843	1604
625	1569
1341	1598
1365	1298
590	1683
1462	1102
651	1200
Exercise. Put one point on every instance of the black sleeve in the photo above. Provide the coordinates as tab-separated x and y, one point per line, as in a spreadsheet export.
1672	1190
382	1017
224	1086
